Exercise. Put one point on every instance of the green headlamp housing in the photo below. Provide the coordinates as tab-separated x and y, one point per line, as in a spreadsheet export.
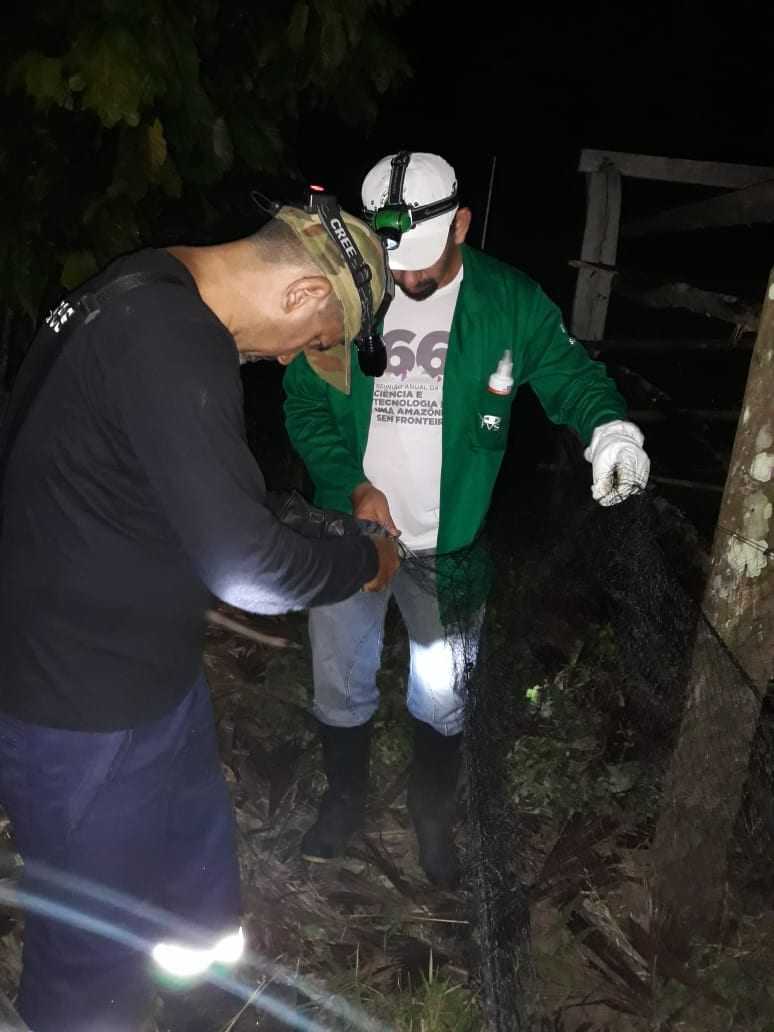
391	223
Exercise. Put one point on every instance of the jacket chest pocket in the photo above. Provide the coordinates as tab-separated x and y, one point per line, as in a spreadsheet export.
492	417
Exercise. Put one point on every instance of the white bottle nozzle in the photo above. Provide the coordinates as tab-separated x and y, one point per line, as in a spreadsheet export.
501	381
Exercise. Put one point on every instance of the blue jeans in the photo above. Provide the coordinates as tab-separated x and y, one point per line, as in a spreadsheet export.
144	812
347	647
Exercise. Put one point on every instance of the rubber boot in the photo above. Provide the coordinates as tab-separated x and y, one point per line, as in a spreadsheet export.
346	753
432	802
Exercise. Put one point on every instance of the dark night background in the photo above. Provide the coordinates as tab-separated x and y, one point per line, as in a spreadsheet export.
536	85
531	86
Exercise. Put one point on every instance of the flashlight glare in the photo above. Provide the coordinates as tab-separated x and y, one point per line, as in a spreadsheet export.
187	962
230	948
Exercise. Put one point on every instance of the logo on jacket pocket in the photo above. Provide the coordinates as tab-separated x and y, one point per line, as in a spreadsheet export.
491	422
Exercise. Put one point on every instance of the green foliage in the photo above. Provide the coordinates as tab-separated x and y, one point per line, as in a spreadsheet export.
436	1004
77	267
126	121
736	981
578	756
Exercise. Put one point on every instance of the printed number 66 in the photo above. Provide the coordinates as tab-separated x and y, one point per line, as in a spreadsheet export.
430	353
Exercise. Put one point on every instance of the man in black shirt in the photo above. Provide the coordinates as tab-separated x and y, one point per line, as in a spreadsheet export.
130	499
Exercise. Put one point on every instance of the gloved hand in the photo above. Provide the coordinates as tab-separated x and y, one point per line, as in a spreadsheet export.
619	465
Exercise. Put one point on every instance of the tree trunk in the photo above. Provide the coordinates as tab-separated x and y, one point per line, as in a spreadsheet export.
704	787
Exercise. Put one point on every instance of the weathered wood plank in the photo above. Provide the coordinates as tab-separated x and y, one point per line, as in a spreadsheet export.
599	249
755	204
676	170
725	307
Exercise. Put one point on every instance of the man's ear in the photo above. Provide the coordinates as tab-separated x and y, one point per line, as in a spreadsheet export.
461	225
305	290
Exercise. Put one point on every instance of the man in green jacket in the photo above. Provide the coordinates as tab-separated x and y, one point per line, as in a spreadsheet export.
418	450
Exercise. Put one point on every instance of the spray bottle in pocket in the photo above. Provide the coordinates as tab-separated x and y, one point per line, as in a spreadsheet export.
494	409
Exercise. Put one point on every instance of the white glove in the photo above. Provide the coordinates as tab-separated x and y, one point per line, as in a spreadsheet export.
619	465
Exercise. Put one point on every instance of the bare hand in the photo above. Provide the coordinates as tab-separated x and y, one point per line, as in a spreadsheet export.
389	562
369	503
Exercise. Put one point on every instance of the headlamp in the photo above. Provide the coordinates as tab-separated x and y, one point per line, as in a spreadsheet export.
397	217
371	350
391	223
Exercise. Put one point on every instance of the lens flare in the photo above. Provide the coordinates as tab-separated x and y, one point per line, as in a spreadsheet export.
188	962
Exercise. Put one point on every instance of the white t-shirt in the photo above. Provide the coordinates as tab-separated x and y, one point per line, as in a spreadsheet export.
403	453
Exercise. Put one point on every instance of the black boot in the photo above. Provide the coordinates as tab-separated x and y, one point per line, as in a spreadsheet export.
346	752
432	802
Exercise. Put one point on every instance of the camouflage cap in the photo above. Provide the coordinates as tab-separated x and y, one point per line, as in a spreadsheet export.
333	365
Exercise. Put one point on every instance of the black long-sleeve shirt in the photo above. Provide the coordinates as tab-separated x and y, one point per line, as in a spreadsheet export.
130	499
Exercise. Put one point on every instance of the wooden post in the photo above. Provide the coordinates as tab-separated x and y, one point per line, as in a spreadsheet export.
703	790
600	247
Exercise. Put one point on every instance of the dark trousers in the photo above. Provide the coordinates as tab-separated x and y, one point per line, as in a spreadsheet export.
144	813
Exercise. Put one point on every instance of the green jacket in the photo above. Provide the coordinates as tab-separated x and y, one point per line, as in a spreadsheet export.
498	308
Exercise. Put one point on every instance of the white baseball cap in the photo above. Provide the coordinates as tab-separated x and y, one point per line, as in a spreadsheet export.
428	179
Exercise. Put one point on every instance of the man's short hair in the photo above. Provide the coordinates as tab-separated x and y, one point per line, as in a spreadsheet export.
327	253
277	241
307	245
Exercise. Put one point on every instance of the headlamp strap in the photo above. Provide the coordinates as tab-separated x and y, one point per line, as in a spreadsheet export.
399	164
326	208
267	206
419	213
429	211
328	211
